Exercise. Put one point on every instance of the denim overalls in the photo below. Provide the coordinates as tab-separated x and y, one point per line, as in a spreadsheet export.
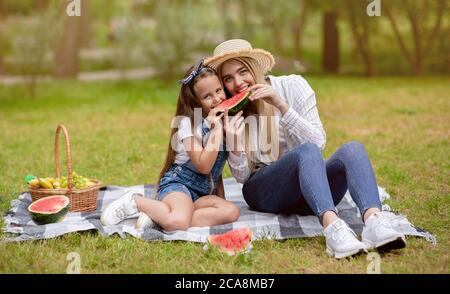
185	177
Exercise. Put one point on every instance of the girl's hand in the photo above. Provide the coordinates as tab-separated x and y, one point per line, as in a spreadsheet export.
268	94
234	130
214	119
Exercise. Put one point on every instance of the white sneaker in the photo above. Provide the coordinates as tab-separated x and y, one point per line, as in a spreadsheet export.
119	210
341	240
144	221
378	233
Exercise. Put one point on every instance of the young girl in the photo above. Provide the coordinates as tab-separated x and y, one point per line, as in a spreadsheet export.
190	191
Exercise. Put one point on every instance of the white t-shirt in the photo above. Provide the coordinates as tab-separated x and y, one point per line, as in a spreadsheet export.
185	131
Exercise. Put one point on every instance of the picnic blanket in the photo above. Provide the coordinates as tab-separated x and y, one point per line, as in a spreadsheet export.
20	227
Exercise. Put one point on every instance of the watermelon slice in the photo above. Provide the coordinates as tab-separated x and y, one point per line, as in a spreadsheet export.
235	103
233	242
49	209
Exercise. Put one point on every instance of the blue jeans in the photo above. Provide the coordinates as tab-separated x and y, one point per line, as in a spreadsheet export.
302	182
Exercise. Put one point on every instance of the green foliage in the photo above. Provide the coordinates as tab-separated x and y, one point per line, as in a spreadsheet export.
32	43
179	34
172	34
16	7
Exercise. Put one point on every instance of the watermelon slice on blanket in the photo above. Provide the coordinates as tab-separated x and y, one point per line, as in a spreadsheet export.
233	242
49	209
235	103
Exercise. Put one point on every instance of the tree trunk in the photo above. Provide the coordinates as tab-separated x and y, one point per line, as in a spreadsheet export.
397	34
417	64
224	11
67	50
298	29
271	24
2	71
245	11
85	24
362	40
330	49
41	5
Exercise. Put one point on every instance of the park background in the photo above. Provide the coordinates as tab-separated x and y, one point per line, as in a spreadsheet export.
110	76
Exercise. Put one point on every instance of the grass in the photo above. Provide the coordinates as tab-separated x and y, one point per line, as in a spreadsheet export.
119	134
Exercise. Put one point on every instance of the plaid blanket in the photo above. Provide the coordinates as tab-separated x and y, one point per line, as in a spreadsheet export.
20	227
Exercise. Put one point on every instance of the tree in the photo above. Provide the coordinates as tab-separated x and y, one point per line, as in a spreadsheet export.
1	52
180	34
85	29
285	21
245	14
31	44
298	27
330	49
424	31
359	26
1	61
41	5
224	7
69	44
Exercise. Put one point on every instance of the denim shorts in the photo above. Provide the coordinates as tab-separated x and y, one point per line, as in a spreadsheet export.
182	179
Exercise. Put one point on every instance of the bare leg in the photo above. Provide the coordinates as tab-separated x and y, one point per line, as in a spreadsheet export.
211	210
328	217
369	212
174	212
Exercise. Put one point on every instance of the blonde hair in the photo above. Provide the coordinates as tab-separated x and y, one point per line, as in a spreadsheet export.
265	111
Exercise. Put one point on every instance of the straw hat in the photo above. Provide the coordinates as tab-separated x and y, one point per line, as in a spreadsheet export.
240	48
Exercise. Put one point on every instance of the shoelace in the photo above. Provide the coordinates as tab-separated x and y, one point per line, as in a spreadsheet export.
384	220
396	219
341	233
120	212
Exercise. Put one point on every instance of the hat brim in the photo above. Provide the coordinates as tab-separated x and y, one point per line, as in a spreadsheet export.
263	57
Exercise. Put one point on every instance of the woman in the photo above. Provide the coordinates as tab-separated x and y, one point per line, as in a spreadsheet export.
297	179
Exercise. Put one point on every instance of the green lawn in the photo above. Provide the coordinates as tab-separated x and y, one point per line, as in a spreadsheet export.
119	134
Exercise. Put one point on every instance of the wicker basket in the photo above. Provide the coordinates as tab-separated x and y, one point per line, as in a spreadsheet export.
80	200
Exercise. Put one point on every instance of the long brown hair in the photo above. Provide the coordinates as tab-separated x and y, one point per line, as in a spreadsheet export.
263	109
187	102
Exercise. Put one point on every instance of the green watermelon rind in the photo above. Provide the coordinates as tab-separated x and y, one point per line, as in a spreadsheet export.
238	107
217	241
43	218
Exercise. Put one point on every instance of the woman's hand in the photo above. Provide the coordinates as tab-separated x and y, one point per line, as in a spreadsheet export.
214	119
234	130
268	94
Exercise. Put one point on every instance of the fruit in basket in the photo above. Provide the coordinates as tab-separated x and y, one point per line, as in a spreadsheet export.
34	183
56	184
49	209
45	183
79	182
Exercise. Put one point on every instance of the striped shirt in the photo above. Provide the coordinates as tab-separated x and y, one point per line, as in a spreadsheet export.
300	124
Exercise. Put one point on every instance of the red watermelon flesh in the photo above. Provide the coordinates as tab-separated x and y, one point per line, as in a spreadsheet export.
233	242
49	209
235	103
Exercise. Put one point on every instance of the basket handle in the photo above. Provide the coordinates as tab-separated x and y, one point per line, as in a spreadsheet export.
69	158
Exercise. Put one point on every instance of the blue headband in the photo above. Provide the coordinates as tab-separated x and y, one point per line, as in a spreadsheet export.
193	74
